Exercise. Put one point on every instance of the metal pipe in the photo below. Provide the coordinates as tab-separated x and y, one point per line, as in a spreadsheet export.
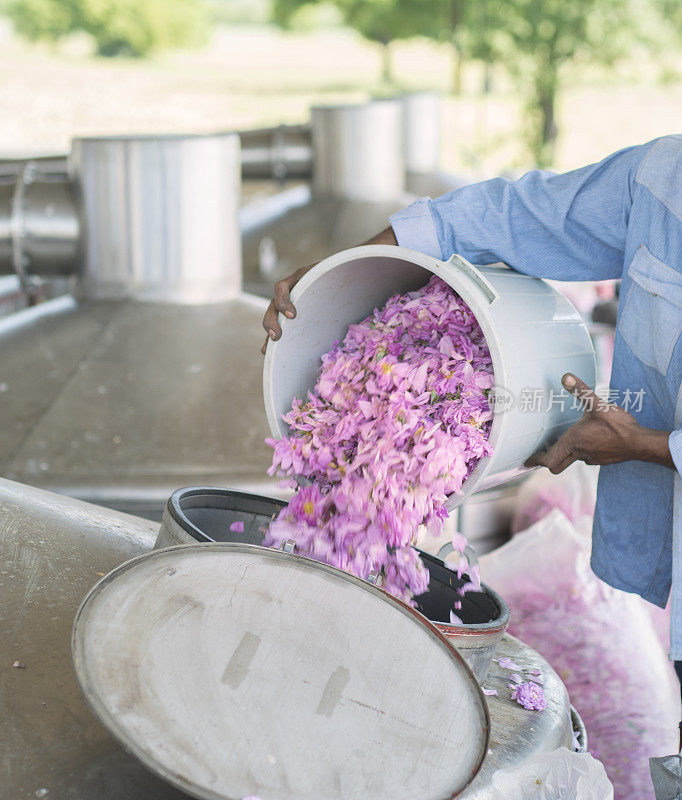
48	164
159	215
39	227
280	153
283	152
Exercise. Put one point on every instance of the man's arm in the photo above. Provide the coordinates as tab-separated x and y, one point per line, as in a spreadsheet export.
571	226
606	434
281	302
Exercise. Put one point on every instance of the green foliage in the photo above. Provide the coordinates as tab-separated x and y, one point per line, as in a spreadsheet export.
119	27
41	19
536	38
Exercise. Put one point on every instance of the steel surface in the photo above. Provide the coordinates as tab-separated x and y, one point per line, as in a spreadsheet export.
53	551
124	402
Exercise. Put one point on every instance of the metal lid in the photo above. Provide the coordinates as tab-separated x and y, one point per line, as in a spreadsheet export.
231	670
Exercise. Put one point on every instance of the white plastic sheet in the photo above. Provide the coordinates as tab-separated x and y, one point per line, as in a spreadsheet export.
559	775
574	492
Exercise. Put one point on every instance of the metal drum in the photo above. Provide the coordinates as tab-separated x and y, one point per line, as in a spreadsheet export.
205	515
232	670
53	550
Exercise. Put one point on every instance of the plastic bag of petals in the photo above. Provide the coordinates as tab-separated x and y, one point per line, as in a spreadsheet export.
397	420
601	643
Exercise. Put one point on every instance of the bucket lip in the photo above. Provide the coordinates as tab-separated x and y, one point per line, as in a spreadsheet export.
436	266
494	626
174	506
131	746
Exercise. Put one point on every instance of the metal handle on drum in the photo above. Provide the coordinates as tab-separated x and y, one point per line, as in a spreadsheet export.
469	553
479	279
373	577
288	546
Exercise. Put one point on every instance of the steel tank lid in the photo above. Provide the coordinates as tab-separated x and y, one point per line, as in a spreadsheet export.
234	671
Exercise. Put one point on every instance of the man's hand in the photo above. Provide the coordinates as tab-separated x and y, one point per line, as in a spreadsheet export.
606	434
281	303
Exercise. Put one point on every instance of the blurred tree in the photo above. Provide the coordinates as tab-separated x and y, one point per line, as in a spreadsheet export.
384	21
381	21
119	27
536	39
41	19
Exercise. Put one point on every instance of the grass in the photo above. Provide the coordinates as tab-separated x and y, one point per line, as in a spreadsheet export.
253	76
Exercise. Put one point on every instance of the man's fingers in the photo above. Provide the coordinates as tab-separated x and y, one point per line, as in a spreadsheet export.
555	469
535	459
581	391
265	345
552	457
270	322
282	301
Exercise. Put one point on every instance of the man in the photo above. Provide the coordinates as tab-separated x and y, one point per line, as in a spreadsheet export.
620	218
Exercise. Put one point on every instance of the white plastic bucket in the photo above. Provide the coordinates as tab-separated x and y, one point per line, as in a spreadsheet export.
534	333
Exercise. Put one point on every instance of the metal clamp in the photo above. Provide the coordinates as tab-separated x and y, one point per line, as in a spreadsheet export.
374	577
288	546
469	553
20	261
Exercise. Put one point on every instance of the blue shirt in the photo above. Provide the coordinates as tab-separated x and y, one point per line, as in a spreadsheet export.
620	218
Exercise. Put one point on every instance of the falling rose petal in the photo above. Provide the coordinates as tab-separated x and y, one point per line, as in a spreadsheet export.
457	605
237	527
489	692
508	663
516	677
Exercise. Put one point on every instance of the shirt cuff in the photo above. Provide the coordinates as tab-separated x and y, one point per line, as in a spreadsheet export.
415	228
675	445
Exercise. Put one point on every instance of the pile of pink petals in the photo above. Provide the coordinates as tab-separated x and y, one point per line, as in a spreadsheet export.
397	420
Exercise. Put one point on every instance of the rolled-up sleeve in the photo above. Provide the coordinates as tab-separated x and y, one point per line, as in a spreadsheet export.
571	226
675	445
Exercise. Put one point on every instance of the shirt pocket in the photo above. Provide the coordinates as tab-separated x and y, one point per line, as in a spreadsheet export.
651	317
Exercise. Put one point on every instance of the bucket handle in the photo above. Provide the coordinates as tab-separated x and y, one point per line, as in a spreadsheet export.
476	276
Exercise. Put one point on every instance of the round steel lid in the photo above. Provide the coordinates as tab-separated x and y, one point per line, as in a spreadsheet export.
231	670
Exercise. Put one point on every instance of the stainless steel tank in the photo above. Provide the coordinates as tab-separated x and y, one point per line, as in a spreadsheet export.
54	549
159	217
422	142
